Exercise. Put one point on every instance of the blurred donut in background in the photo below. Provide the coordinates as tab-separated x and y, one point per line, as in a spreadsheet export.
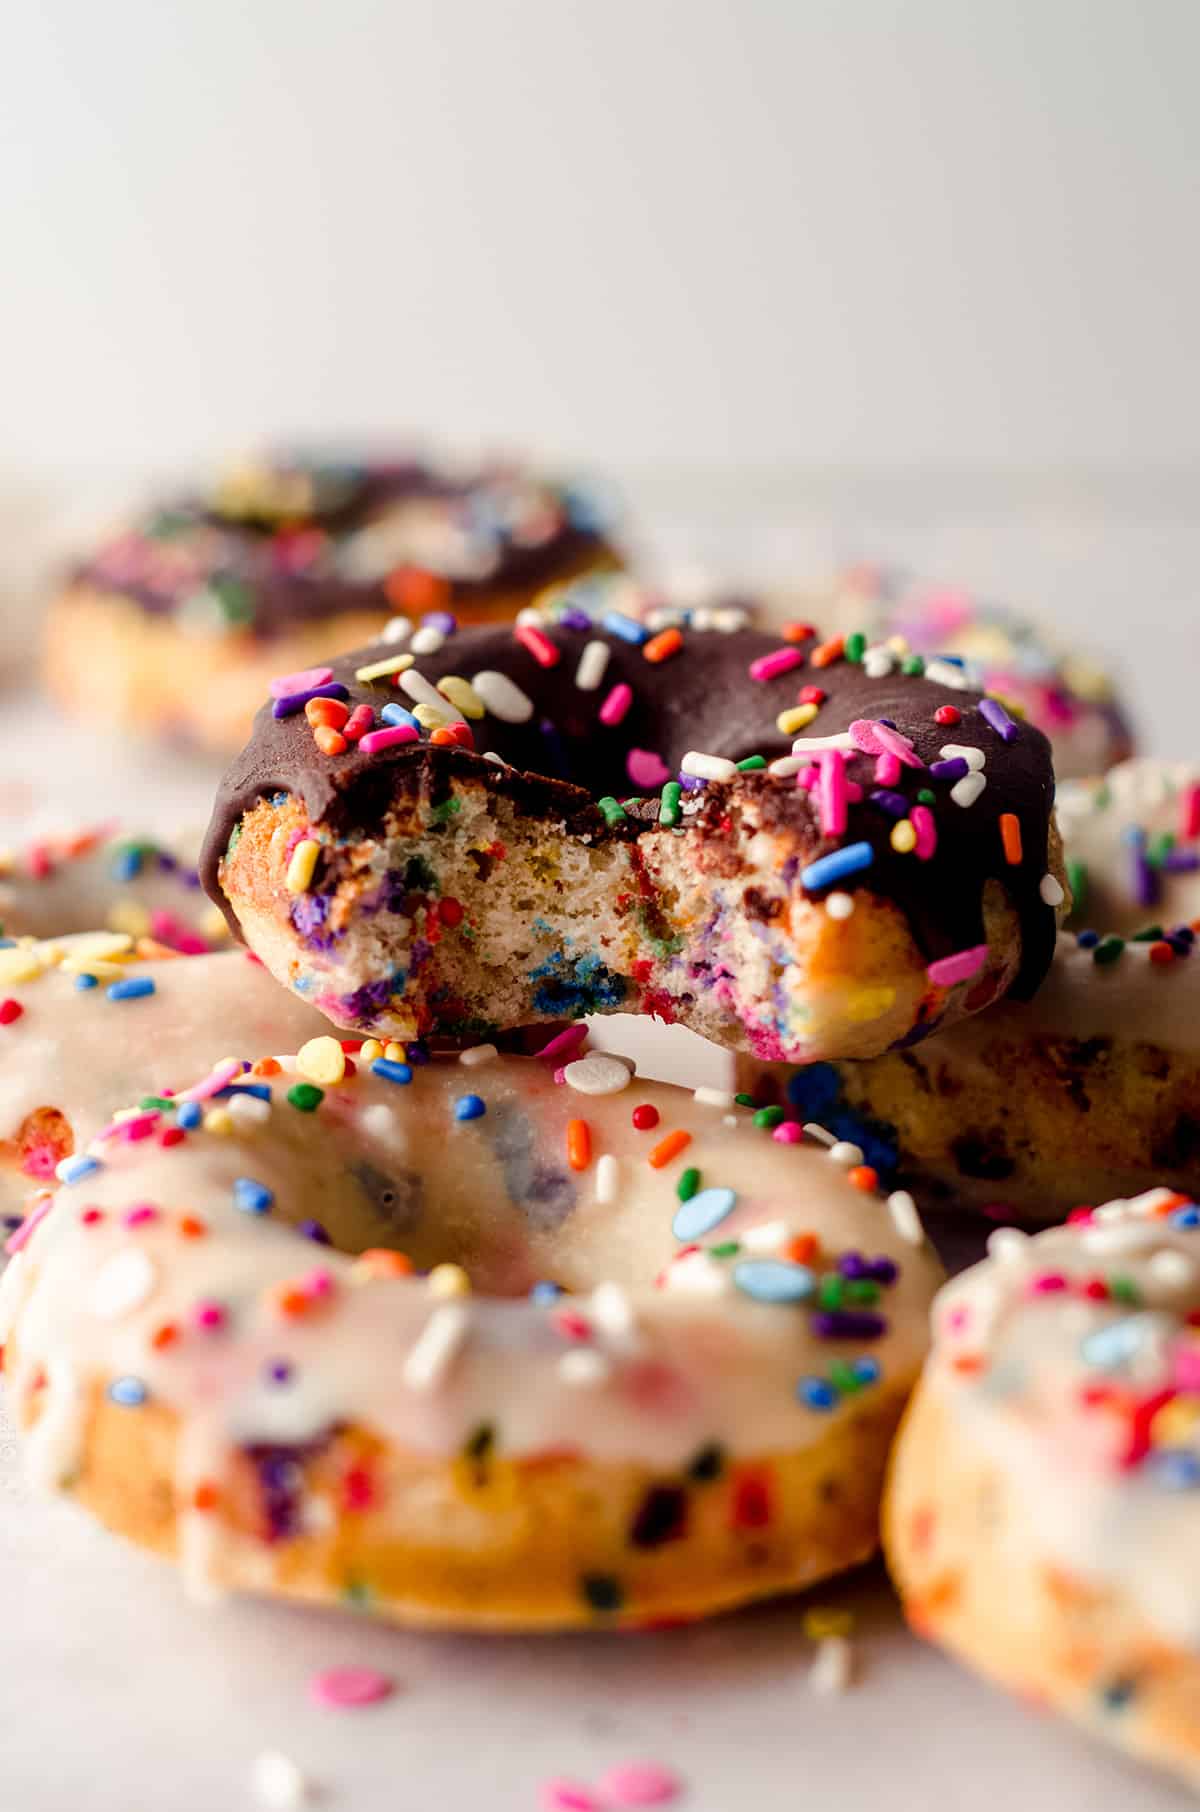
173	625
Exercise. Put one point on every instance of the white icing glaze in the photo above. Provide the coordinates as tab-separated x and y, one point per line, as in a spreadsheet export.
119	879
1098	818
1090	1401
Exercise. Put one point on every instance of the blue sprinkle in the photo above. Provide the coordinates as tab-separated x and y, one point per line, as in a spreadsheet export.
1087	940
73	1170
130	1393
1111	1348
951	660
189	1116
867	1371
1176	1468
894	804
470	1107
954	769
817	1393
827	870
84	982
396	714
773	1280
441	620
8	943
252	1197
1185	1217
545	1292
617	623
261	1091
702	1212
131	987
574	619
126	864
390	1070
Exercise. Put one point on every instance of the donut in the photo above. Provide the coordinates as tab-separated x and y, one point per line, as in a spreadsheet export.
827	854
1091	1086
174	624
111	878
479	1343
86	1029
1065	692
1040	1516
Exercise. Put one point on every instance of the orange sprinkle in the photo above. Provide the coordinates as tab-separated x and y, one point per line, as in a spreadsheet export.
443	738
192	1227
151	951
1010	835
968	1364
1162	954
798	632
410	588
164	1336
266	1066
863	1177
380	1261
205	1496
828	652
329	740
662	647
801	1248
579	1144
291	1301
669	1148
1171	1203
332	712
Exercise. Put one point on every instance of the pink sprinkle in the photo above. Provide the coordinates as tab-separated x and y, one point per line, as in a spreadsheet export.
639	1784
305	681
899	746
387	739
139	1126
567	1796
538	645
616	705
572	1325
1047	1283
358	723
923	823
172	1135
780	660
831	791
807	778
1189	812
1081	1217
32	1221
788	1132
1187	1367
214	1082
887	771
949	970
646	769
165	928
344	1687
318	1283
140	1215
209	1315
562	1043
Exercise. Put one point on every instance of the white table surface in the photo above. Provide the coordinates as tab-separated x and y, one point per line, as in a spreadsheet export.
120	1696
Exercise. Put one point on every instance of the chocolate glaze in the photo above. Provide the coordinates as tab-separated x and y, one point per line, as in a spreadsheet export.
254	559
701	699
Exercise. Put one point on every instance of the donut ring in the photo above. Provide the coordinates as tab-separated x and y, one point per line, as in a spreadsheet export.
100	876
1091	1086
175	625
1066	693
282	1416
1040	1520
841	900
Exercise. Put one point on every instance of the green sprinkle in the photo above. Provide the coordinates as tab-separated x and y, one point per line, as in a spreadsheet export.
306	1096
1123	1289
844	1378
768	1116
449	808
855	646
926	797
728	1248
913	665
1149	934
831	1292
688	1184
613	811
744	1100
1159	848
1108	950
862	1289
751	764
631	804
160	1102
668	811
1077	881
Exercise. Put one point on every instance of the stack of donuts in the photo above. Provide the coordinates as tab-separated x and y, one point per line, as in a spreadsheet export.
341	1265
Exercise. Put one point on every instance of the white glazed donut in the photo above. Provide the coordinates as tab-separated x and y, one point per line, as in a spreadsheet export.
284	1415
1043	1517
115	879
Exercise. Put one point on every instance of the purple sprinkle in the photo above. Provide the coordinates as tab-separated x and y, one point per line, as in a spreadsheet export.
894	804
313	1230
575	619
416	1053
296	701
853	1264
279	1371
1181	945
691	783
441	620
883	1270
949	770
848	1324
1183	932
1181	861
1146	888
998	717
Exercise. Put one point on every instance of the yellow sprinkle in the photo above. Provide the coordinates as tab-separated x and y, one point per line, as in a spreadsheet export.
302	865
20	965
449	1280
213	925
869	1003
321	1060
788	722
394	1052
218	1120
371	1049
130	916
462	695
827	1620
429	717
395	663
102	945
904	837
103	971
1175	1423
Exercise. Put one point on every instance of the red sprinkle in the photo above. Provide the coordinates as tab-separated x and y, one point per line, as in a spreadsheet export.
645	1117
538	645
811	695
360	720
947	714
10	1009
450	911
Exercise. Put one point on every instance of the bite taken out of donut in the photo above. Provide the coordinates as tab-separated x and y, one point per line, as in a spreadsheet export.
480	1343
827	852
175	623
1042	1512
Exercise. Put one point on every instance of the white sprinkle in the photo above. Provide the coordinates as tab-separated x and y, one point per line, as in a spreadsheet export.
1119	1236
530	617
945	673
843	1152
419	689
123	1283
1051	891
437	1347
584	1368
958	751
247	1110
607	1178
707	767
665	616
768	1236
967	790
396	629
878	663
833	1666
712	1097
839	905
427	640
612	1311
379	1120
278	1781
1007	1245
786	766
496	760
729	1120
502	698
597	1075
592	664
477	1054
813	745
905	1218
698	1275
729	619
1174	1270
1150	1200
820	1133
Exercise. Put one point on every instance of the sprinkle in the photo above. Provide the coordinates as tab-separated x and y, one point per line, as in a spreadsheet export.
252	1197
73	1170
296	701
948	971
688	1184
502	697
925	825
437	1347
11	1010
391	1071
305	681
1010	837
607	1178
614	812
669	812
955	769
389	668
343	1687
477	1054
133	987
597	1074
538	644
469	1107
646	769
826	653
359	722
329	740
130	1393
832	795
638	1784
903	837
1051	891
628	629
427	640
392	737
302	865
668	1147
844	1151
994	713
645	1116
123	1283
848	1324
616	705
593	663
835	867
1189	812
905	1219
817	1393
780	660
278	1782
965	792
701	1212
326	713
661	647
321	1060
707	767
712	1097
832	1670
772	1280
788	723
579	1144
767	1117
1108	950
305	1098
567	1796
396	714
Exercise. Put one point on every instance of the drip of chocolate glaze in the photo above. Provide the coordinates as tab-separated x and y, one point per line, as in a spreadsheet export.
701	699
